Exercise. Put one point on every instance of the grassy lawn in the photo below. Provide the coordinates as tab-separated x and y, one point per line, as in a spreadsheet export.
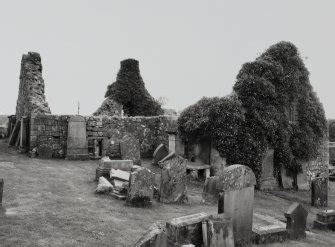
52	203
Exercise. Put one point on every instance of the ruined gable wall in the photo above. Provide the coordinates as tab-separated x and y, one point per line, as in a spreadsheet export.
31	98
53	129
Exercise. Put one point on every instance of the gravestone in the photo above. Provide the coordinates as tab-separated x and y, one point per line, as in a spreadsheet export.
130	149
325	220
216	161
296	217
173	181
319	192
141	188
77	148
210	193
186	229
160	153
237	184
220	231
267	179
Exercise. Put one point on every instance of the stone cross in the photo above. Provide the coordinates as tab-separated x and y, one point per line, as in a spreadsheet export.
237	184
296	216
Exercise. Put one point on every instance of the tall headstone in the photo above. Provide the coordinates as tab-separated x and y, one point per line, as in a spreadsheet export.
77	148
267	179
141	188
173	187
296	216
130	149
319	192
237	184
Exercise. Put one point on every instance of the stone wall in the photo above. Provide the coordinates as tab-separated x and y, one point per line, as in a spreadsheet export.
52	130
31	98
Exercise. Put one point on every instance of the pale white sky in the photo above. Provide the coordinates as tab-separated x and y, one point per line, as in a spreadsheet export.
187	48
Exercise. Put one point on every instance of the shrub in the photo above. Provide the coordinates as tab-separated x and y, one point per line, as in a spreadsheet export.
129	90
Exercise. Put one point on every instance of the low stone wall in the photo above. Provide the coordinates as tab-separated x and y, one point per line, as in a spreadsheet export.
52	130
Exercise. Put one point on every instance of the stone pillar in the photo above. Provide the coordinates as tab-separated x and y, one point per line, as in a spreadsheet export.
319	192
237	184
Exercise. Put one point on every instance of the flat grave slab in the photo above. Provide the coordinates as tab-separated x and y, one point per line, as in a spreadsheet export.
267	229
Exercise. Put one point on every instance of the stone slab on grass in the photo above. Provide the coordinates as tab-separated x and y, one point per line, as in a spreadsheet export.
266	230
119	175
186	229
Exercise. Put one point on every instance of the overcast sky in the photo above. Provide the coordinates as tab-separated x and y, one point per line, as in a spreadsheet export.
186	49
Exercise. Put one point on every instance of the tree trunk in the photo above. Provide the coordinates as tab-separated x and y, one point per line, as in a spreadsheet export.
295	181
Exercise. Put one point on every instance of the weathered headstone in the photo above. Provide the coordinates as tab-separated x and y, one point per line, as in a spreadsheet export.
130	149
160	153
141	191
325	220
267	179
210	193
155	236
216	161
220	231
296	217
44	151
77	148
237	183
173	181
186	229
319	192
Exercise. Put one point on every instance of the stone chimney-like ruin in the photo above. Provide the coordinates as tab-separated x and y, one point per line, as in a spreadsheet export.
31	99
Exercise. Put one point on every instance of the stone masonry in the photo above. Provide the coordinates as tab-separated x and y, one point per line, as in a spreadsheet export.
31	99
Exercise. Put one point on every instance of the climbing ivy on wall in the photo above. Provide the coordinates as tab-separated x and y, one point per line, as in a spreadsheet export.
274	106
129	90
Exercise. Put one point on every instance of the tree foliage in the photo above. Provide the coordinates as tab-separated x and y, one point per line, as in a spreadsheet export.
129	90
275	107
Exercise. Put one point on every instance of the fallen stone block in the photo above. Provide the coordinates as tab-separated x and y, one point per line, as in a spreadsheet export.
119	175
103	186
106	163
141	183
186	229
